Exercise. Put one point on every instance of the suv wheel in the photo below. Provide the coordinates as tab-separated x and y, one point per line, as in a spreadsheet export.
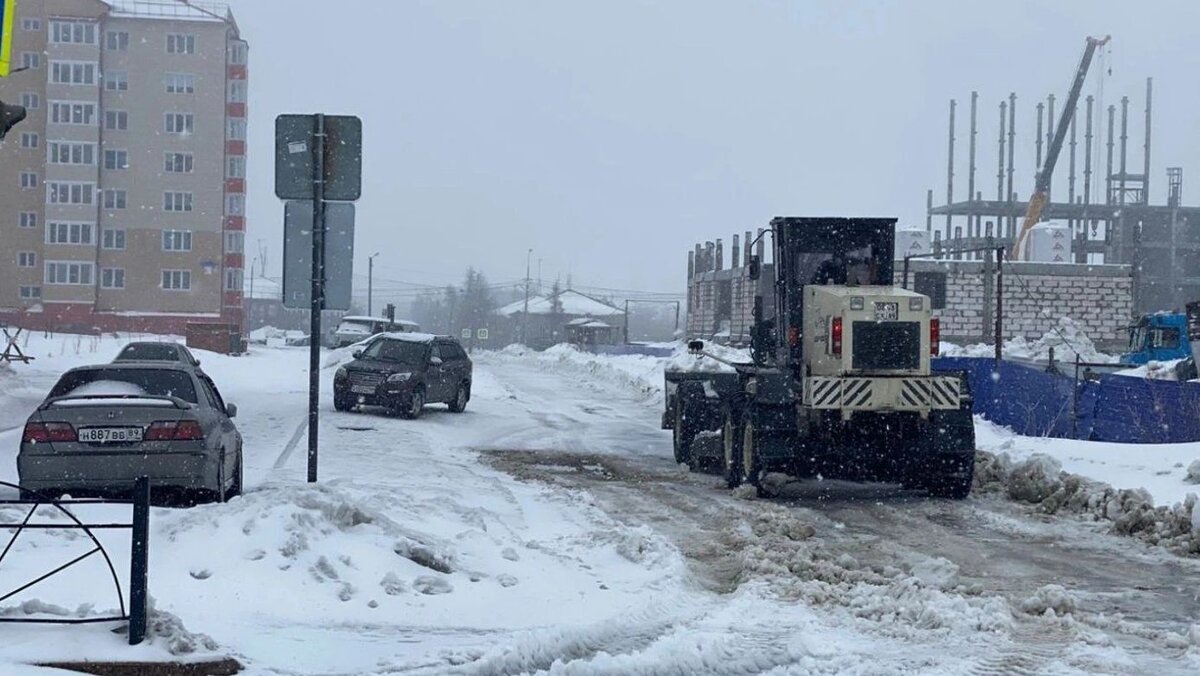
416	402
461	397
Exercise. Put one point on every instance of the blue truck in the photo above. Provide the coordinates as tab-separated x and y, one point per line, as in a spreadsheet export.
1166	336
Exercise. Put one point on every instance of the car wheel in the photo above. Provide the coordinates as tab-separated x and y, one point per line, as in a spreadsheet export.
416	402
221	494
342	403
236	488
460	399
731	438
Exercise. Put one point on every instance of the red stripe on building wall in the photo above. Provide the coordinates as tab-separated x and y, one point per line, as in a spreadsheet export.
235	147
236	109
235	222
234	260
236	71
235	185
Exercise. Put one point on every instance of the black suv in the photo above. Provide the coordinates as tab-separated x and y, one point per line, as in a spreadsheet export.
404	371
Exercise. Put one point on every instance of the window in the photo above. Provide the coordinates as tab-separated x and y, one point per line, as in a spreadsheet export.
29	140
932	284
233	279
116	159
235	242
113	238
77	32
180	83
116	120
31	101
69	192
73	72
177	280
236	167
31	60
29	292
178	163
67	152
70	112
179	43
68	272
177	240
237	91
29	179
114	199
29	219
116	41
237	53
67	232
112	278
177	201
116	81
235	204
237	129
178	123
31	24
27	259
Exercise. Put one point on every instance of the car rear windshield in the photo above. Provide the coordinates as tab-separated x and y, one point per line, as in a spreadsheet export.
149	352
398	351
124	381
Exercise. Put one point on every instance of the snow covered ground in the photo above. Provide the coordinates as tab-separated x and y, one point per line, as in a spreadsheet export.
547	530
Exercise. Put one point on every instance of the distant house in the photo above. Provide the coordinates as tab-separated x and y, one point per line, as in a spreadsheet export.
264	307
569	316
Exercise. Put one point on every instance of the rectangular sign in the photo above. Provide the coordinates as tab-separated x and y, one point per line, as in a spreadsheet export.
297	254
8	23
295	136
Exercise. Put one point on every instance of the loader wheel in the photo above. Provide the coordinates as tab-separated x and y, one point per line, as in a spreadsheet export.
731	437
751	463
955	485
682	435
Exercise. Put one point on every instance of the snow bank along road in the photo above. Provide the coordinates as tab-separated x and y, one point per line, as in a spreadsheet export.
547	530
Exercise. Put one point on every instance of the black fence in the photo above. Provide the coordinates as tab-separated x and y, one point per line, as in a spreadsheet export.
139	526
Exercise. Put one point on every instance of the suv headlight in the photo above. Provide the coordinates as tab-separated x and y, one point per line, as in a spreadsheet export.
399	377
341	373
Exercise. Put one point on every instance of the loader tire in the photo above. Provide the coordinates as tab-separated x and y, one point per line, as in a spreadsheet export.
955	483
752	466
731	437
682	433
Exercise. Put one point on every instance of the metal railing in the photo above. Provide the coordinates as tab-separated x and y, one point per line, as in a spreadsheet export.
139	526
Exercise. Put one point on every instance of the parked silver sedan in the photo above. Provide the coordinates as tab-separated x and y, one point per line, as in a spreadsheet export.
102	426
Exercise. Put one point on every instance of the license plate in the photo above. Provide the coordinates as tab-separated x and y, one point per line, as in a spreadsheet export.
110	435
362	389
887	312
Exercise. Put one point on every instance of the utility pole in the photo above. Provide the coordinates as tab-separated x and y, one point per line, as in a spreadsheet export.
525	315
247	301
370	280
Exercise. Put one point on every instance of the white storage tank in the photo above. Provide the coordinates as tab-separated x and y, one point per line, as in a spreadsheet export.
1049	242
911	242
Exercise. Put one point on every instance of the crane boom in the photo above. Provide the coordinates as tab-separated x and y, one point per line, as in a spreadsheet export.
1037	202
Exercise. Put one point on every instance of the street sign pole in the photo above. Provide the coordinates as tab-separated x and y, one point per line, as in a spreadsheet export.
318	293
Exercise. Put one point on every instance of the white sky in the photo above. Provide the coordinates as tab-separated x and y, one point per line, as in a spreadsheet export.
610	136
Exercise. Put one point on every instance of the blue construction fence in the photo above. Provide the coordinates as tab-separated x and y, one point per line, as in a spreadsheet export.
1115	408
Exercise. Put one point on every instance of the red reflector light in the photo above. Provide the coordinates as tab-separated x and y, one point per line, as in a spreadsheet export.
174	430
835	336
793	336
37	433
935	336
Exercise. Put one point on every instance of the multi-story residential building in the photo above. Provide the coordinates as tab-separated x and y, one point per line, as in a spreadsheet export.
122	194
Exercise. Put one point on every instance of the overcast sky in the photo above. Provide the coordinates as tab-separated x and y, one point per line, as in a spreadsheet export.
609	136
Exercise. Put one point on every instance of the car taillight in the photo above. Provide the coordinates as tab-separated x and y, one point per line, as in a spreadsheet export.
174	430
935	336
835	337
38	433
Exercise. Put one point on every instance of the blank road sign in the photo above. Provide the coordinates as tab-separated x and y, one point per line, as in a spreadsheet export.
297	254
294	138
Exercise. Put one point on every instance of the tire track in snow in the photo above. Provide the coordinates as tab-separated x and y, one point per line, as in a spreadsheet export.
291	444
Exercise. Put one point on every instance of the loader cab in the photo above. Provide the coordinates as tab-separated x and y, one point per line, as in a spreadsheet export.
826	252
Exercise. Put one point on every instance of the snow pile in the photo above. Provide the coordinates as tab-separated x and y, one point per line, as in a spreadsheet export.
1154	370
685	361
640	374
1039	481
1193	472
1051	600
1067	339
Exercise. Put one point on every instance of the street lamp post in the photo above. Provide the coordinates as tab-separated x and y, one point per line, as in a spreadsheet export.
370	281
525	315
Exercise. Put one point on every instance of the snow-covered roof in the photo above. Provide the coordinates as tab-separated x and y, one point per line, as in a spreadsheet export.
408	337
385	320
571	302
161	9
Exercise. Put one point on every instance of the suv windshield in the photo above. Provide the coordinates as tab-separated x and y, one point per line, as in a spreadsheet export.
125	381
356	327
399	351
149	352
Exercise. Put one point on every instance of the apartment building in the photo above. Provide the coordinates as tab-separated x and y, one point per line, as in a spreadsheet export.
122	194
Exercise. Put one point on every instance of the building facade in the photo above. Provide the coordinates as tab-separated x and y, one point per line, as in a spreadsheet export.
122	193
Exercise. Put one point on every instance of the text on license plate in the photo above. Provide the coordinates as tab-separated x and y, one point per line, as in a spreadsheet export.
115	435
887	312
362	389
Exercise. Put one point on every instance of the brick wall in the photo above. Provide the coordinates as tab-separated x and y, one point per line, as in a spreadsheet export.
1036	295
